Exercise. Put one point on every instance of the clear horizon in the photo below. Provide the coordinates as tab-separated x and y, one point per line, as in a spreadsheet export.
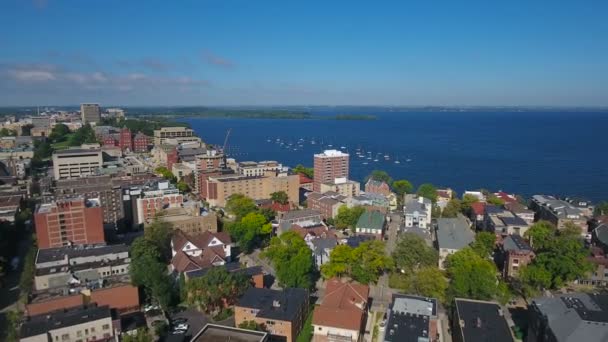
241	53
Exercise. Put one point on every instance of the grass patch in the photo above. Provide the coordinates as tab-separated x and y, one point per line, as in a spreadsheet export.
224	314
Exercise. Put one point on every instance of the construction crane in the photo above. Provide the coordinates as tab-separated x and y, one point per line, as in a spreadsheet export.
226	143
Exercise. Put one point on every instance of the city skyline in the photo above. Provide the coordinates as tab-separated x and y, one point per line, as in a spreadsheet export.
272	53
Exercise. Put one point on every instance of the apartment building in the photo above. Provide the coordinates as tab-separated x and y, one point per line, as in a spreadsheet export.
477	320
85	323
190	221
154	198
75	163
558	212
219	188
282	312
90	113
327	203
75	221
411	318
140	143
179	134
342	186
516	253
251	168
328	166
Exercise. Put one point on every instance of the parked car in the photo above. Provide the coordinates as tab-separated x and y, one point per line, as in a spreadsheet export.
178	321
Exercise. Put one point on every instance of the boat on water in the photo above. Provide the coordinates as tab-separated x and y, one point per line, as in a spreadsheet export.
343	147
365	163
408	160
397	162
375	160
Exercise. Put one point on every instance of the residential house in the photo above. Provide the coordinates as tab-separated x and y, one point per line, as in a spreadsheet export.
478	213
503	222
477	320
417	211
443	197
281	312
321	249
453	234
516	253
505	197
371	223
371	201
192	252
377	187
305	182
521	211
568	317
342	314
411	318
477	194
599	276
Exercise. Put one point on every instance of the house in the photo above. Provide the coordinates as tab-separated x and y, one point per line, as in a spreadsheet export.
417	211
192	252
305	182
355	240
505	197
477	321
503	222
304	217
477	194
516	253
274	206
569	317
411	318
453	234
443	197
377	187
478	213
321	249
521	211
371	223
370	200
514	225
342	313
281	312
599	276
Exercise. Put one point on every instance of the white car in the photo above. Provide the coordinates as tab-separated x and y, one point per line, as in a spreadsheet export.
151	307
182	326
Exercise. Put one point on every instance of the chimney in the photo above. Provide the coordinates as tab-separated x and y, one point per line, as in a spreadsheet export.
276	304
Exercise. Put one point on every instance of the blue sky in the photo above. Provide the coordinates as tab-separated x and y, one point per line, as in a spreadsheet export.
245	52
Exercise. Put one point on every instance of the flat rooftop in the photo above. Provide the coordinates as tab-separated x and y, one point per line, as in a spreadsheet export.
56	254
482	321
41	324
218	333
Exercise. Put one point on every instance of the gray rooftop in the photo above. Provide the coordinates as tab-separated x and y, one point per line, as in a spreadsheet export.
321	244
56	254
575	317
454	233
41	324
299	214
516	243
414	205
220	333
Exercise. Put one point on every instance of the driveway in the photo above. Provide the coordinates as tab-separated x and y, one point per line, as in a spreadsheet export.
393	229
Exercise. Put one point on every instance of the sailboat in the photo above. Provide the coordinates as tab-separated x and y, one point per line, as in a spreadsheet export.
397	160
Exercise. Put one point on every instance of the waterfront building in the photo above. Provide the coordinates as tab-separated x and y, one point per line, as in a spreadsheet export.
177	134
328	166
343	186
558	212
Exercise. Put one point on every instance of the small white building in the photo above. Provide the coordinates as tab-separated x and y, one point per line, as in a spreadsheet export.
417	212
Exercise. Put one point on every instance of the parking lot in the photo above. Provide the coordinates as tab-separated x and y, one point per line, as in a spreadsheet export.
196	320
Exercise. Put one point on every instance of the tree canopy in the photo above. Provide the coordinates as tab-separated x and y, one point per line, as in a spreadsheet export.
427	281
381	176
427	190
166	173
412	252
452	209
279	197
495	200
83	135
541	234
159	233
471	275
348	217
240	205
307	171
250	231
292	260
216	288
601	208
365	263
484	244
402	187
59	133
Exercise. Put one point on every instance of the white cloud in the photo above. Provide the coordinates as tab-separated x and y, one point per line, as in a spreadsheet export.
32	75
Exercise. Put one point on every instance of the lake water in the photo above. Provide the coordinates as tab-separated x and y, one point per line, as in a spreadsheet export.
522	152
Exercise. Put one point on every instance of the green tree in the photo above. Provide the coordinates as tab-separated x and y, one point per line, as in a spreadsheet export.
348	217
216	288
5	132
268	213
402	187
279	197
159	233
452	209
183	186
166	174
240	205
380	176
601	208
339	264
292	260
251	325
59	133
484	244
83	135
471	275
369	262
541	234
494	200
307	171
183	291
142	335
412	252
429	281
427	190
467	202
250	231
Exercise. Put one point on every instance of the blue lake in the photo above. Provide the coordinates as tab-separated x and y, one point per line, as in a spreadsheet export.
521	152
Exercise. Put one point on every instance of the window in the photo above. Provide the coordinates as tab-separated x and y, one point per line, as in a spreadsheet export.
105	327
79	333
65	337
86	331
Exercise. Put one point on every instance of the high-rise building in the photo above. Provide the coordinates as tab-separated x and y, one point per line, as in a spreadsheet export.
125	140
74	221
90	113
74	163
328	166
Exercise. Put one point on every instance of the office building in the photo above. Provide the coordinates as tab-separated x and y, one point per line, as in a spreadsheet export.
90	113
328	166
66	222
74	163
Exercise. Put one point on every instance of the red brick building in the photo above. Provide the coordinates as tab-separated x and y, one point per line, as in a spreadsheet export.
172	158
328	166
71	221
140	143
125	139
108	140
377	187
